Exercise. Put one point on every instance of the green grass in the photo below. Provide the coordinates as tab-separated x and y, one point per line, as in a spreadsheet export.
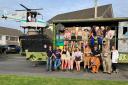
25	80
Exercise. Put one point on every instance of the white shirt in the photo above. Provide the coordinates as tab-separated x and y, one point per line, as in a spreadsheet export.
115	56
29	18
68	54
78	54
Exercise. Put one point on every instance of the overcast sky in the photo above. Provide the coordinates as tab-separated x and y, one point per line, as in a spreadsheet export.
54	7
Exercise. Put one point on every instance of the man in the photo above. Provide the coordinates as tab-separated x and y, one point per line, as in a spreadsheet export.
57	56
106	57
49	58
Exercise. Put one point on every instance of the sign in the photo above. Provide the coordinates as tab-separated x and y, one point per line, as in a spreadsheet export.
59	40
123	58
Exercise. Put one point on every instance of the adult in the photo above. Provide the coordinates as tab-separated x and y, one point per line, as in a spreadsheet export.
103	29
93	30
79	34
115	56
109	35
100	38
78	58
73	35
67	34
85	35
87	56
68	56
63	58
96	29
49	58
106	58
72	59
92	41
57	55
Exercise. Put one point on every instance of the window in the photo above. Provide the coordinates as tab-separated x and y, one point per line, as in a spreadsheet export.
16	38
125	30
7	37
13	38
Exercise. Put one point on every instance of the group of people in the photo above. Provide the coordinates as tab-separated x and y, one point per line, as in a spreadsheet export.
80	37
91	46
67	58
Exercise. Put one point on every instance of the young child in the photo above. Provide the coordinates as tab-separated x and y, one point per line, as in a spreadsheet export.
115	56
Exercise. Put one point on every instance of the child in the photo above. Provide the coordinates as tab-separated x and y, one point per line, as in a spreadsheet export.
115	56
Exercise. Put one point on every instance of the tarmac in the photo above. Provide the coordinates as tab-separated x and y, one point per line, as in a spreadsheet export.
15	64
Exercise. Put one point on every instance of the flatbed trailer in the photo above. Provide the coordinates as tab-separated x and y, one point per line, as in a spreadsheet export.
120	25
34	47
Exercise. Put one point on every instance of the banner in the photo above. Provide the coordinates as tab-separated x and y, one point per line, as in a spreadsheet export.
123	58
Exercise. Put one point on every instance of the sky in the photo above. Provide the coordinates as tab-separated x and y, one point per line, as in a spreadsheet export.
54	7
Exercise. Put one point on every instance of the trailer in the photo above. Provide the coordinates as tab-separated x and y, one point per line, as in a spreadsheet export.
34	47
118	25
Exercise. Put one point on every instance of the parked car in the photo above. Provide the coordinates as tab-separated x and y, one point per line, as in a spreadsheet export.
13	49
3	49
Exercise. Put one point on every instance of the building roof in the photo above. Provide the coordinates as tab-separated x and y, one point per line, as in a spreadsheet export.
118	19
104	11
10	31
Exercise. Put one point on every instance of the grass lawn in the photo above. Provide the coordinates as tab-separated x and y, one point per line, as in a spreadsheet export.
25	80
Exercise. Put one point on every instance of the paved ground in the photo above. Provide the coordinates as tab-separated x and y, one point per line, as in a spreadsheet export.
17	65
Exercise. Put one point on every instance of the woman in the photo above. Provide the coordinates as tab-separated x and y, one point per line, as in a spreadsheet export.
92	41
85	35
79	34
72	59
87	56
115	56
68	56
67	34
63	58
78	58
100	38
73	35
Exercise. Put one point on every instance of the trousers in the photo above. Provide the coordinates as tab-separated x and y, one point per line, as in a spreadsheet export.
49	63
107	65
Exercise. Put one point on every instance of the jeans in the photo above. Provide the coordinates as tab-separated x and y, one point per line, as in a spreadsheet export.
49	63
57	63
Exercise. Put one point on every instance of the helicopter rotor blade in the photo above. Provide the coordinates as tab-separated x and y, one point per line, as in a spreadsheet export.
37	9
24	7
20	10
